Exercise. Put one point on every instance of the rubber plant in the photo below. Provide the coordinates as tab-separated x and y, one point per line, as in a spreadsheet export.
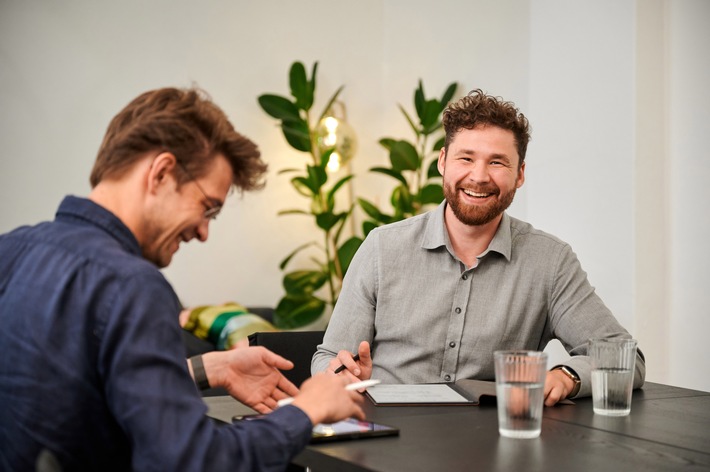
412	163
301	304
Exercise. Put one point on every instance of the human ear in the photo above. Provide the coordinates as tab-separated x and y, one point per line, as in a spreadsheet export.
160	170
521	176
441	162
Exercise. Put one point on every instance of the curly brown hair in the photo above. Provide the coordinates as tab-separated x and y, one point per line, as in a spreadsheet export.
477	108
185	122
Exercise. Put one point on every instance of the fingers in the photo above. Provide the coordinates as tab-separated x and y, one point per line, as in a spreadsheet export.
358	401
285	389
363	351
345	358
554	396
277	361
263	408
554	390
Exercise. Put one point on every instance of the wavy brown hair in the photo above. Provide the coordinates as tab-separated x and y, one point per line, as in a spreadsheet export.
182	121
477	108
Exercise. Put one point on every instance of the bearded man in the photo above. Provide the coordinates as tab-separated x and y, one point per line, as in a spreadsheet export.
429	299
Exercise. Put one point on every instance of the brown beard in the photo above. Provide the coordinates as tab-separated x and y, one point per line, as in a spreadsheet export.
477	215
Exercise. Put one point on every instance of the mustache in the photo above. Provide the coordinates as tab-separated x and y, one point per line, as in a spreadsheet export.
492	189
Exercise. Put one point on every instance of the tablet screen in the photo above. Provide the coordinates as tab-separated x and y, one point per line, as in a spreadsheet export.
346	429
351	429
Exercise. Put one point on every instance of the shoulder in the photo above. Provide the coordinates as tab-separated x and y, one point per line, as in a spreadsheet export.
524	232
538	247
403	231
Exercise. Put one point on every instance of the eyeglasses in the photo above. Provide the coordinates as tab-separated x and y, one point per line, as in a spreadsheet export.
212	210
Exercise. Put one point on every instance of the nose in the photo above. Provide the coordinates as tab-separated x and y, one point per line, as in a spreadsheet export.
479	173
203	230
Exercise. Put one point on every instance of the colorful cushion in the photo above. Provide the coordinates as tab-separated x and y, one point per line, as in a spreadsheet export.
225	325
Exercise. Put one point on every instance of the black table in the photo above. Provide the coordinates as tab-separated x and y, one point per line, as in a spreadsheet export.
668	429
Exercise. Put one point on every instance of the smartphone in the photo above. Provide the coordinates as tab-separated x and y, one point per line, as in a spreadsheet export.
340	431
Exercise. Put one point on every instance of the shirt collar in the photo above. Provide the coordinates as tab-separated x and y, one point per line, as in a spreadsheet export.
87	211
435	234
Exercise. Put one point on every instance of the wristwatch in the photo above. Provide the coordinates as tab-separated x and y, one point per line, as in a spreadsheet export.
569	372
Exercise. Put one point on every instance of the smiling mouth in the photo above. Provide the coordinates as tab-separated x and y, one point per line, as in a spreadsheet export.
473	194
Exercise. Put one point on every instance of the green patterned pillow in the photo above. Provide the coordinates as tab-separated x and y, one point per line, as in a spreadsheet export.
224	325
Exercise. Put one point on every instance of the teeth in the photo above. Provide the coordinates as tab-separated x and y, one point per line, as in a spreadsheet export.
475	194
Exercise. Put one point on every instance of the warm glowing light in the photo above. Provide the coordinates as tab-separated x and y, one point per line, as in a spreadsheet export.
334	162
333	132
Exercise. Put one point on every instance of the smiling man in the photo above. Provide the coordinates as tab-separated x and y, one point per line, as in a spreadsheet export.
93	368
429	299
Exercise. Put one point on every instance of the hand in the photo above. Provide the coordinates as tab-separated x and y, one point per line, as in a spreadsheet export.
557	387
324	399
354	370
251	375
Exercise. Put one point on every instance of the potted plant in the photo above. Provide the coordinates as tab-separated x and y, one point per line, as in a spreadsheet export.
302	304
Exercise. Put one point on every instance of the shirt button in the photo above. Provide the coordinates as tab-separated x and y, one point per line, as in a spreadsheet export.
457	310
452	344
447	377
464	276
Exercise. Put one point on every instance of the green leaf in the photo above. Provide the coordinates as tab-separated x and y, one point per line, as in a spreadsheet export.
300	88
330	102
297	134
295	312
312	82
331	194
327	220
415	128
288	171
324	158
387	143
430	115
293	212
391	173
373	212
300	248
317	176
303	186
368	226
279	107
433	169
439	144
347	251
304	282
404	156
431	193
436	126
339	229
419	100
402	201
448	95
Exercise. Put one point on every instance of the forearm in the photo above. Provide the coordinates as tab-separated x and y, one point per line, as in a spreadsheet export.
578	314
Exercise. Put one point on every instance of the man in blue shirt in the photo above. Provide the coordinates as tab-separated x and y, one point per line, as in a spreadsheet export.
93	371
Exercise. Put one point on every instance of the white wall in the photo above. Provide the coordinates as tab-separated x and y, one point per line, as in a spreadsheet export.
572	67
689	194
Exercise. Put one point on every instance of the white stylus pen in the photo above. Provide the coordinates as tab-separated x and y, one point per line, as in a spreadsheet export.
350	386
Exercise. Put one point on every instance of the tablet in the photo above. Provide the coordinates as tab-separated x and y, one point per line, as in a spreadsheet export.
342	430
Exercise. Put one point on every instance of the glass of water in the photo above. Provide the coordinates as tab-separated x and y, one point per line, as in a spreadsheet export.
520	382
613	364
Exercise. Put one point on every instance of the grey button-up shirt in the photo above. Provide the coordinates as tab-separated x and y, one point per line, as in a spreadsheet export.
429	318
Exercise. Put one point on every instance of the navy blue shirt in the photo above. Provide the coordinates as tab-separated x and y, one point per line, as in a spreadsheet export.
92	365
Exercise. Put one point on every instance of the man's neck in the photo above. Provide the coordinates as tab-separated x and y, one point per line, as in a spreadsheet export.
469	241
119	199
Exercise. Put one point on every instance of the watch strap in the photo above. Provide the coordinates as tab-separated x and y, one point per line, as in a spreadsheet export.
569	372
198	371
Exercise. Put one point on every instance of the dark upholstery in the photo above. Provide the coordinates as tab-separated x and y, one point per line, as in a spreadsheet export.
296	346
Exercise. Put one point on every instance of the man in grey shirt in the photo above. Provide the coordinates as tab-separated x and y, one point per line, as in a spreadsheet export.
429	299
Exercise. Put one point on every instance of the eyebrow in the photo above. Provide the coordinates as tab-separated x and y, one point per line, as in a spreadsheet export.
472	152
